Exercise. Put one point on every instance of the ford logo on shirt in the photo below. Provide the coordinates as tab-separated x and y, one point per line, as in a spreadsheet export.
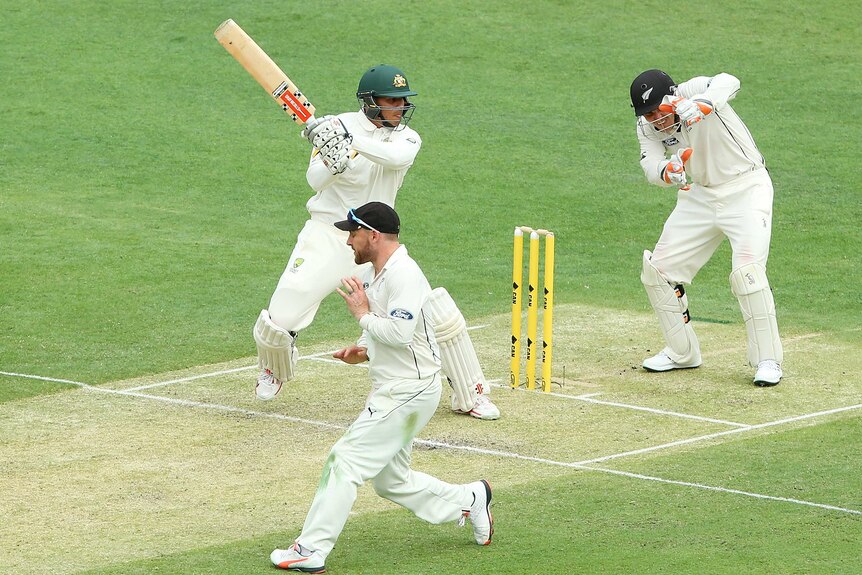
401	314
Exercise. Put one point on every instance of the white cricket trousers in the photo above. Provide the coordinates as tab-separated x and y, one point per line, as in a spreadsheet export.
377	446
740	210
320	259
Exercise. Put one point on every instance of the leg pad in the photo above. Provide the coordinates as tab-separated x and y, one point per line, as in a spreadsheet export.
276	349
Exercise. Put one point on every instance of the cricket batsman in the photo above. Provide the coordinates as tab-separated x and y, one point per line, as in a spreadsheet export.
358	157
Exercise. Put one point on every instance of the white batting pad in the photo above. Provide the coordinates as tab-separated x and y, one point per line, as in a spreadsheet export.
751	288
460	363
671	309
275	348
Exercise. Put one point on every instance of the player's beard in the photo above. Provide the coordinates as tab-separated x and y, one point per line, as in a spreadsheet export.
360	256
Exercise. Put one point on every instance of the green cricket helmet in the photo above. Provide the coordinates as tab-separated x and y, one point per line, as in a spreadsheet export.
388	82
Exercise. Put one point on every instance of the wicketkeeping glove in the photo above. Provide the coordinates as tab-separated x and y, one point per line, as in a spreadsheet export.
673	170
692	111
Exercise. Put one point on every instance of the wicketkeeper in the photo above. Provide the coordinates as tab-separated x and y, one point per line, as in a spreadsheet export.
690	138
358	157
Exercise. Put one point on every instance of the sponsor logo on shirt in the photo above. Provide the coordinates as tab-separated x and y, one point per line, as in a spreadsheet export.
672	141
296	263
401	314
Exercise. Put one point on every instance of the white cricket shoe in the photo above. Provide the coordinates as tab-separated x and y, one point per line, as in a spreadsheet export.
768	373
662	362
480	512
267	386
298	558
484	409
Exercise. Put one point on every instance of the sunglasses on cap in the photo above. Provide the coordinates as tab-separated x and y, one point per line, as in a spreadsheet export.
352	217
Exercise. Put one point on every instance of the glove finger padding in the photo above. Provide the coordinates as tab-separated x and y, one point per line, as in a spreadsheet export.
325	131
339	141
337	158
313	126
692	111
673	172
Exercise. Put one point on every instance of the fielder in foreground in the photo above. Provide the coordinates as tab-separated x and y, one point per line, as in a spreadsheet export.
358	157
691	138
392	303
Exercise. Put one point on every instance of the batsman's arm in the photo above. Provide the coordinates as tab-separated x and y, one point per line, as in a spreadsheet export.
396	155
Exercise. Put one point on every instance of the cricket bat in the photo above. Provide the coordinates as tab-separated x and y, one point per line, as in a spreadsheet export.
267	73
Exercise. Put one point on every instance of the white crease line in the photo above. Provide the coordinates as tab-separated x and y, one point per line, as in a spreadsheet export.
588	399
41	378
661	412
721	433
215	373
582	465
725	490
338	362
191	378
314	357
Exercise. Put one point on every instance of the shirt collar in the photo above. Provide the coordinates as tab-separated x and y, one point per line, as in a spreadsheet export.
397	255
367	124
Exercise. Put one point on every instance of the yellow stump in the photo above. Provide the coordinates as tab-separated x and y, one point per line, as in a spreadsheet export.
532	310
517	280
548	313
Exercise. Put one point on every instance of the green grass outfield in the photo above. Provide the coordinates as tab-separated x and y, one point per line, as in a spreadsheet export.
150	195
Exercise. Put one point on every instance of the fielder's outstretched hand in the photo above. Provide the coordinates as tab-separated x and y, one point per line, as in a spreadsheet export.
352	354
355	296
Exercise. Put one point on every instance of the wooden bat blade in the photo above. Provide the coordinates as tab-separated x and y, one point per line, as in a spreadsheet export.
267	73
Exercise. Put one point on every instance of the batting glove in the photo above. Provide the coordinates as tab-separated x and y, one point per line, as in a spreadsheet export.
337	158
311	124
335	142
324	130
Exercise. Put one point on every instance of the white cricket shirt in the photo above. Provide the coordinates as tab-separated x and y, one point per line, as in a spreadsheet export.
398	333
383	157
723	148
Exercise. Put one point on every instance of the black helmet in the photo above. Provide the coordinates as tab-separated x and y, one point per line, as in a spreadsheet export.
648	89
